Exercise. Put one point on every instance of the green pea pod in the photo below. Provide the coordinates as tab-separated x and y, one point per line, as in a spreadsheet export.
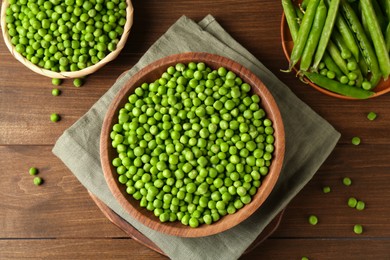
291	18
388	37
314	36
303	33
336	56
376	37
304	4
385	6
326	32
337	87
331	65
364	23
339	41
380	15
348	36
364	43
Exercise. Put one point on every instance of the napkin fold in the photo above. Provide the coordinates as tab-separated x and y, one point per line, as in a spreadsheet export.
309	141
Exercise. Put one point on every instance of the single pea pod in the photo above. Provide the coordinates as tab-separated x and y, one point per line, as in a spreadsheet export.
304	4
303	33
336	56
388	38
314	36
364	43
291	18
363	67
348	36
380	16
337	87
331	65
326	32
376	37
339	41
385	6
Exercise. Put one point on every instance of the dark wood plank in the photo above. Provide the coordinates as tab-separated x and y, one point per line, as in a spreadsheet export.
324	249
75	249
60	207
276	249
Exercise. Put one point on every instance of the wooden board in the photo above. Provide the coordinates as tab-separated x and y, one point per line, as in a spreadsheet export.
138	236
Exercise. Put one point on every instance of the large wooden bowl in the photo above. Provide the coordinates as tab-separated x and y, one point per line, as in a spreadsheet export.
68	74
149	74
287	44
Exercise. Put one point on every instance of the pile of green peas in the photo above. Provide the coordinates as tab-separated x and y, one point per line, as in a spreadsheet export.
67	35
193	145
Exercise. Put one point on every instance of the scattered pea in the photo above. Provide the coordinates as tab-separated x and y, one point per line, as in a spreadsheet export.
352	202
371	116
356	140
347	181
38	181
56	81
313	220
358	229
304	258
55	92
78	82
360	205
55	117
33	171
326	189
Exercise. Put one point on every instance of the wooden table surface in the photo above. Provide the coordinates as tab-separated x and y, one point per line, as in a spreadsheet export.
58	220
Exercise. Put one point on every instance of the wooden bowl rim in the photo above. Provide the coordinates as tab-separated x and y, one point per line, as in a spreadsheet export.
286	38
176	228
68	74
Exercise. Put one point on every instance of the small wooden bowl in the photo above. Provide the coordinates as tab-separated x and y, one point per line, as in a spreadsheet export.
288	44
149	74
68	74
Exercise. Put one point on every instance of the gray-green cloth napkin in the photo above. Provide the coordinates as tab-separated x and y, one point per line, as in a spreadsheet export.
309	141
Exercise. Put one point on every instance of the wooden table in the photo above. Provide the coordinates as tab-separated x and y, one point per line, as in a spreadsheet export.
58	220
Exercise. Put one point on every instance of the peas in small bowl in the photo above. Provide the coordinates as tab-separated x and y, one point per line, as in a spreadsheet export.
65	39
192	145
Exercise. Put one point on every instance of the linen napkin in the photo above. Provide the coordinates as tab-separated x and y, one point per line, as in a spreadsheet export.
309	141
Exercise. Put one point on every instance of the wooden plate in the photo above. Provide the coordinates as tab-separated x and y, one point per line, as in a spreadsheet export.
149	74
139	237
287	44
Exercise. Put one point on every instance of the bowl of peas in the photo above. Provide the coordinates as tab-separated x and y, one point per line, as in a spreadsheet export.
66	39
340	48
192	145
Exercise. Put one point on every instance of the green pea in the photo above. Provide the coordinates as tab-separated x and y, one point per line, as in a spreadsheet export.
326	189
358	229
347	181
55	117
313	220
38	181
371	116
33	171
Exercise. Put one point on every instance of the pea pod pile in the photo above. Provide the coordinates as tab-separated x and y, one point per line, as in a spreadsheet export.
342	46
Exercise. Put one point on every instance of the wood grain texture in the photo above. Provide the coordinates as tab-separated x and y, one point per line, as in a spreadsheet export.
59	220
153	72
138	236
